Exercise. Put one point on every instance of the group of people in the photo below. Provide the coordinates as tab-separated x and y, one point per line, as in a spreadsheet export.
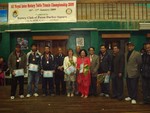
79	73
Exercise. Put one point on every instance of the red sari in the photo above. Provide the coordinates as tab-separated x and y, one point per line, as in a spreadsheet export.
83	79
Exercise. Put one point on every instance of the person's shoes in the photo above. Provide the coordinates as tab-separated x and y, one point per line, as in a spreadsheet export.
114	97
52	94
28	96
12	97
72	95
44	95
127	99
21	96
68	94
106	95
120	98
85	96
36	95
133	101
82	95
101	94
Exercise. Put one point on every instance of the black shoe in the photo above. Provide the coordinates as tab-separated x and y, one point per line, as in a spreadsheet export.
114	97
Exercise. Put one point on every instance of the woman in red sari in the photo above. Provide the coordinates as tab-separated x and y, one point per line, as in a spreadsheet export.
83	77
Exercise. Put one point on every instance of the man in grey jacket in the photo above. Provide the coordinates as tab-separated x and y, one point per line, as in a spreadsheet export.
17	66
133	62
94	59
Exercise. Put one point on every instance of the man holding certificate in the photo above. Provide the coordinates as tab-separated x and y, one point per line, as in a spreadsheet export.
17	66
47	66
33	58
70	72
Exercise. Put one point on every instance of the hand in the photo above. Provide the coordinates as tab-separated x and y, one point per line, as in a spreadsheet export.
120	74
108	72
13	73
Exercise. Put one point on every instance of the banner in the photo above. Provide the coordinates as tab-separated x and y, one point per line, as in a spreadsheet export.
42	12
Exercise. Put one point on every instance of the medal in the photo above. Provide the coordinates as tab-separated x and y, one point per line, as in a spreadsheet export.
33	59
47	62
18	60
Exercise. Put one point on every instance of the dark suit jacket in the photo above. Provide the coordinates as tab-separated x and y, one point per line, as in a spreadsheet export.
94	65
133	65
118	64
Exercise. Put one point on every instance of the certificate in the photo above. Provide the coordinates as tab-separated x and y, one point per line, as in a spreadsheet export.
48	74
19	72
70	70
81	68
106	80
33	67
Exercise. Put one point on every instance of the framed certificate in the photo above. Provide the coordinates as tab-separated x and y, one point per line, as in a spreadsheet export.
70	70
48	74
33	67
19	72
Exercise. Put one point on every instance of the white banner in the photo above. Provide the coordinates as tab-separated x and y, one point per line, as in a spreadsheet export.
42	12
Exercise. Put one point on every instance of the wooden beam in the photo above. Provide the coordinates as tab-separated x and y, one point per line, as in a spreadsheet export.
116	35
56	37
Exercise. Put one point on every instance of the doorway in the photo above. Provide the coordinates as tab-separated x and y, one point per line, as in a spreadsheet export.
53	44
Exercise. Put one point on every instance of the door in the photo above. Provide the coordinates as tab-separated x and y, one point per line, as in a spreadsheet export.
53	44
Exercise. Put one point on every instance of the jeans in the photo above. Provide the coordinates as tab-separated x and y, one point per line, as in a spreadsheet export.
33	78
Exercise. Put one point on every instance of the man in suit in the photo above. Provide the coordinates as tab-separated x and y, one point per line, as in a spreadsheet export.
146	74
117	73
59	73
133	62
94	59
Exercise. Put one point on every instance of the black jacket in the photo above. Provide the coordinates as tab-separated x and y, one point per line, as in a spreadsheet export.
118	63
146	65
105	63
47	64
59	60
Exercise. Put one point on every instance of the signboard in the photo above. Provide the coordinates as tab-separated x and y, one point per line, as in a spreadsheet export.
42	12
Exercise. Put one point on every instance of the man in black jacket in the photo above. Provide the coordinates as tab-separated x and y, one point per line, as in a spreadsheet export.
105	68
47	66
117	73
146	74
59	72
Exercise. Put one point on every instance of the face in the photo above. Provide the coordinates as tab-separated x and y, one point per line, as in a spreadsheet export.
130	47
18	49
1	60
103	49
78	49
34	48
91	51
83	54
70	53
115	50
47	50
148	48
59	50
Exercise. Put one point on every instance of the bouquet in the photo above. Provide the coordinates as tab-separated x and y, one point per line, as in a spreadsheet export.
86	69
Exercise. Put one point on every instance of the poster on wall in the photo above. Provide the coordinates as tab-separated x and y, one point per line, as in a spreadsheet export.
23	42
3	16
80	41
42	12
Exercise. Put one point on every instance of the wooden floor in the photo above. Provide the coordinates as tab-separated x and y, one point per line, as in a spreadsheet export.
63	104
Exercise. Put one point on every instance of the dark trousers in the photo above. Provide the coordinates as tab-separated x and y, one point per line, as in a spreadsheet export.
48	82
14	82
60	83
146	89
132	86
117	86
93	87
